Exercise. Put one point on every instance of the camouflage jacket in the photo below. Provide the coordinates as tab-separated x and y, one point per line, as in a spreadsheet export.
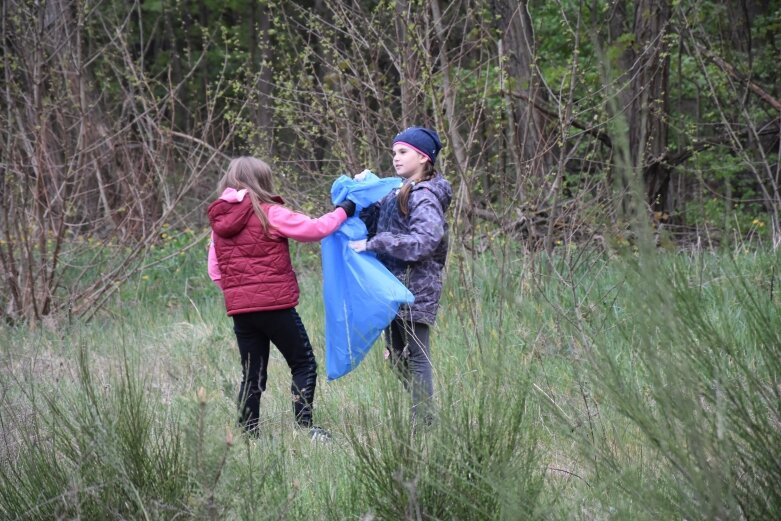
413	248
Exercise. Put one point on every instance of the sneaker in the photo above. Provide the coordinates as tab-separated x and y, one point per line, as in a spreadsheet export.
318	434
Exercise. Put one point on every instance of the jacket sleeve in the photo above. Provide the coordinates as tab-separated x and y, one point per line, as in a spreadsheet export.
299	227
213	267
426	229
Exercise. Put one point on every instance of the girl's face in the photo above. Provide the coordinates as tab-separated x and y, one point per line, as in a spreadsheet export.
407	161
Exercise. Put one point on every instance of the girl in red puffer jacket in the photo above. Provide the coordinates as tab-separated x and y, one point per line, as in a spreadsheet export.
249	259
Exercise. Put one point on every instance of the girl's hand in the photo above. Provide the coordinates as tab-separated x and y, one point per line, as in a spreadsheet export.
358	246
348	206
362	175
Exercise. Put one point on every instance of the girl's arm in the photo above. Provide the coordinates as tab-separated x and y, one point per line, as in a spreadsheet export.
212	267
298	226
426	229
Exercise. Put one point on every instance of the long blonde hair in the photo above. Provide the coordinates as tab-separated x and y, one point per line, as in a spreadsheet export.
403	197
254	175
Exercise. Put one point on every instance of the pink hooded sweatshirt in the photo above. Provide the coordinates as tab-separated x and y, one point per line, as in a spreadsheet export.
284	222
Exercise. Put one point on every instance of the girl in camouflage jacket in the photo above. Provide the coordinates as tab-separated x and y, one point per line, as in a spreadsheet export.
409	234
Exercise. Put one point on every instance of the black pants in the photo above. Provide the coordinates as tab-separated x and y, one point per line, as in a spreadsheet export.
410	354
284	328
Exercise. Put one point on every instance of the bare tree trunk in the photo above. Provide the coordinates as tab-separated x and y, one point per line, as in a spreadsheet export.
530	139
412	94
464	200
260	57
644	93
652	99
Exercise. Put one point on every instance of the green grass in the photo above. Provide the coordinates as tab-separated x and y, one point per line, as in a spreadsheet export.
578	387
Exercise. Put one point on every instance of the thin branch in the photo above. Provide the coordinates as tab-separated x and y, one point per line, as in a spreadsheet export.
729	69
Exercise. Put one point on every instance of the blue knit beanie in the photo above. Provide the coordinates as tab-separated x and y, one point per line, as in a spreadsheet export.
422	140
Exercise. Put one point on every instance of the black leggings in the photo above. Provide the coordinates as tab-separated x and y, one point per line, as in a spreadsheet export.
284	328
410	354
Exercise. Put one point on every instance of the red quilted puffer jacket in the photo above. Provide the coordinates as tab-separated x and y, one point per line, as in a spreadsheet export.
252	267
256	271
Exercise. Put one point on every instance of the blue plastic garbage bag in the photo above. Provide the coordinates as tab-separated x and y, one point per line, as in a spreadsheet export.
361	296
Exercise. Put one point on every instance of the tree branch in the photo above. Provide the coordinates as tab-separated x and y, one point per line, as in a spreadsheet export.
593	131
729	69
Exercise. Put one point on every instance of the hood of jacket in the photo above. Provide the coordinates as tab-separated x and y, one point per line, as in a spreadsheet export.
231	211
439	186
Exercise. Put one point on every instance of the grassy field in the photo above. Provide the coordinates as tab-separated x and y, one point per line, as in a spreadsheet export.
583	386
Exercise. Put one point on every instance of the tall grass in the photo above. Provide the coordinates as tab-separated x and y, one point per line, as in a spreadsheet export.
684	359
95	451
479	460
576	386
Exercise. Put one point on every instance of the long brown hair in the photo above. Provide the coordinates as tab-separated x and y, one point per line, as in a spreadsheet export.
403	197
254	175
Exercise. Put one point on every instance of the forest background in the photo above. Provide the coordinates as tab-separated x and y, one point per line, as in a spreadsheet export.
615	167
118	118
